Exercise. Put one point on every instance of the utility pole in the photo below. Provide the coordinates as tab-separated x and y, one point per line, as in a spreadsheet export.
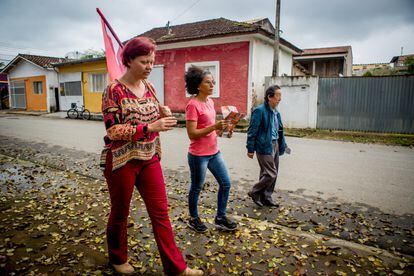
275	72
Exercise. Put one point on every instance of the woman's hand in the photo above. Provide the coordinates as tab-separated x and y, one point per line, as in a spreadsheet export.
165	111
163	124
219	125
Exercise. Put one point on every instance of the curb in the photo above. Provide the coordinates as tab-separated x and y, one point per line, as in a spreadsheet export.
329	240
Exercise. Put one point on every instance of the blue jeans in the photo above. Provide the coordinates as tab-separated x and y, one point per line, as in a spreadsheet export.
198	168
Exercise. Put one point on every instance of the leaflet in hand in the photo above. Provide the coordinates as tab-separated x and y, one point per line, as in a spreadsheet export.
231	117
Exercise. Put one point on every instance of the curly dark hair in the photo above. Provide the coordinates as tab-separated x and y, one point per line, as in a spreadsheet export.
193	78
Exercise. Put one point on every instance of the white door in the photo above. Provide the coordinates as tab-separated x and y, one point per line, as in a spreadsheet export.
157	79
70	90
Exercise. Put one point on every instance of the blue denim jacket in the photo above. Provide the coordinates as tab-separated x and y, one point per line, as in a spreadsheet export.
259	134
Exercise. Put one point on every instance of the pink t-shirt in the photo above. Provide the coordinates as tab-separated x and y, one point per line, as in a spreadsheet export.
205	115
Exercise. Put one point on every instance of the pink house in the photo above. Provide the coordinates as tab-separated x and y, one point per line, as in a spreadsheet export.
239	55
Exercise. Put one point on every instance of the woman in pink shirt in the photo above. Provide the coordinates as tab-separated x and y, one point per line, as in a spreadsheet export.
203	153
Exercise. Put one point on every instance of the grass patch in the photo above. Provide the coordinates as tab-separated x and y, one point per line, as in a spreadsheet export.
394	139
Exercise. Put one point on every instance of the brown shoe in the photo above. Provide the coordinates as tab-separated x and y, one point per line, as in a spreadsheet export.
191	272
125	268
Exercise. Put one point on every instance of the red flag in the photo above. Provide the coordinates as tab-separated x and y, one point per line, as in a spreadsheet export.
113	50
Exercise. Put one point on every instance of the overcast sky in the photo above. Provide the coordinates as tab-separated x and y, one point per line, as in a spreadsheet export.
376	29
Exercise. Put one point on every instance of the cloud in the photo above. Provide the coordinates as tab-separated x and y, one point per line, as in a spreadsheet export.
56	27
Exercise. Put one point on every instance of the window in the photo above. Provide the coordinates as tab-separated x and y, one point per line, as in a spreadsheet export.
37	87
97	82
214	68
17	94
70	88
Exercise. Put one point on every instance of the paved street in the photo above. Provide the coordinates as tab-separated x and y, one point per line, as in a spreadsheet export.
330	221
379	176
53	223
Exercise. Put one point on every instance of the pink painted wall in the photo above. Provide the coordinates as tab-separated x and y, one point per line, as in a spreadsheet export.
234	67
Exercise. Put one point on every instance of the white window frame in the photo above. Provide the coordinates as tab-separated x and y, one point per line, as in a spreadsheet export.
91	83
63	90
216	76
36	87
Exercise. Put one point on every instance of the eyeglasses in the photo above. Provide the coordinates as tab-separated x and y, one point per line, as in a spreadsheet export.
210	82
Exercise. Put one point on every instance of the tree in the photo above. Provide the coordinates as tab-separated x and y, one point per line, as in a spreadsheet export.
409	62
87	54
91	53
367	74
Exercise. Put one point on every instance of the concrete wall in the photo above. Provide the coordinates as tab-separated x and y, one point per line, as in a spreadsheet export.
299	105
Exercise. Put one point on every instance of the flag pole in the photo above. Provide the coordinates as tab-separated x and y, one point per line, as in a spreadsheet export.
109	27
122	46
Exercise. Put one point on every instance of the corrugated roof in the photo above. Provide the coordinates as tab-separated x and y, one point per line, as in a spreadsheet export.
78	61
326	50
209	29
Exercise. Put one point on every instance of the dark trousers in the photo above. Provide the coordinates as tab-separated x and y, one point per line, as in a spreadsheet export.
269	168
148	178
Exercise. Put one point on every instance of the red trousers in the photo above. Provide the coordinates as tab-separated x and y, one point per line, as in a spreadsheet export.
148	178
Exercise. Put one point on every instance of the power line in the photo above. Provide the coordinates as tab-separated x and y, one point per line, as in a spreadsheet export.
4	46
186	10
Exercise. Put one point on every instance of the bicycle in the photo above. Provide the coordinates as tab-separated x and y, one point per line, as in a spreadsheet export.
75	112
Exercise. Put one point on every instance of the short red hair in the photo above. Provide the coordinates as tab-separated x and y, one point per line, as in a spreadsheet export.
138	46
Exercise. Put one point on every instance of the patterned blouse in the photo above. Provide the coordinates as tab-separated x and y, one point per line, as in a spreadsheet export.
126	116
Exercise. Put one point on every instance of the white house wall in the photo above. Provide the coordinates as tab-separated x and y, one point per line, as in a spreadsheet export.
285	63
51	83
66	101
262	65
26	69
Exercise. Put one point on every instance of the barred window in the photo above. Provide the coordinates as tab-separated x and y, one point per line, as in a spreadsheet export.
37	87
71	88
97	82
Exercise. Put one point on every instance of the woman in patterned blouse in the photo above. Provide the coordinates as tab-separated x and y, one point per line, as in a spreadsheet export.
133	119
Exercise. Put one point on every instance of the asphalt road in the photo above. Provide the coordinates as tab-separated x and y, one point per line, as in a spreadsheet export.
377	175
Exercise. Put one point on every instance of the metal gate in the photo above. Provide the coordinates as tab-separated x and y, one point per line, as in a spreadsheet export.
378	104
17	94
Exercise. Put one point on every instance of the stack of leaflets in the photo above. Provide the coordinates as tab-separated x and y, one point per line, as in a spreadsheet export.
231	117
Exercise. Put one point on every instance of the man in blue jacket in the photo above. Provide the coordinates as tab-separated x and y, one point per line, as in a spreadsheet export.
265	137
